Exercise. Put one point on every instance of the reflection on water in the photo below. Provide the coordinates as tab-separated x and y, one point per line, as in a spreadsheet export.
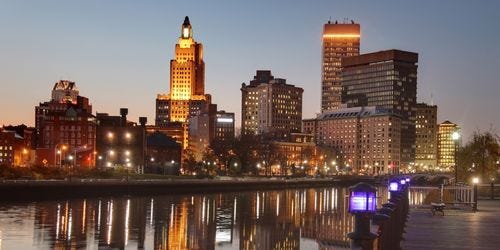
285	219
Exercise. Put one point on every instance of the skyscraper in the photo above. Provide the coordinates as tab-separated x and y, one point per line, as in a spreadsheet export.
425	136
388	79
339	40
187	83
447	147
269	104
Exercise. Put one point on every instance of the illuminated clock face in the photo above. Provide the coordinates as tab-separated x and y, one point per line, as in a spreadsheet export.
185	33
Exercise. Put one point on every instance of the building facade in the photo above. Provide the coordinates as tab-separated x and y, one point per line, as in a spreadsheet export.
224	127
339	40
270	105
387	79
187	84
366	138
65	128
120	143
163	154
201	133
17	146
425	137
447	147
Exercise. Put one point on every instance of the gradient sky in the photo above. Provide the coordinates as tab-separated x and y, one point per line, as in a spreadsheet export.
118	51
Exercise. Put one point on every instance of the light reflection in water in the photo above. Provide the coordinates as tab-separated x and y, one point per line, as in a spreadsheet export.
285	219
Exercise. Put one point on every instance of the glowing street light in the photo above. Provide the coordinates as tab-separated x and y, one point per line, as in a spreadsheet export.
475	181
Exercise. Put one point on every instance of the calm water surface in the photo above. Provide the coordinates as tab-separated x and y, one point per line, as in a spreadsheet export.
313	218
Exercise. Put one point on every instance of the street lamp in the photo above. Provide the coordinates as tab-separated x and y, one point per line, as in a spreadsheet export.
475	181
71	166
455	136
393	186
58	152
362	204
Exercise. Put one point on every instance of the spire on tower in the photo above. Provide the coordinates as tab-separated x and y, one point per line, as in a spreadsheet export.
186	31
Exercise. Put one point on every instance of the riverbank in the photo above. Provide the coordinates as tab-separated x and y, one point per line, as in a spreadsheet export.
54	189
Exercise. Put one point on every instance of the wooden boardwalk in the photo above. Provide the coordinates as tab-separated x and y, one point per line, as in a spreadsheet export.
457	229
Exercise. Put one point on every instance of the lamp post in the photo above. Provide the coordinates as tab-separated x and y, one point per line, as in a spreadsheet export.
71	167
59	152
455	136
475	181
362	204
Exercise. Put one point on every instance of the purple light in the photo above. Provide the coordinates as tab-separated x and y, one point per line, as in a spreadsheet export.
407	179
402	182
393	186
362	202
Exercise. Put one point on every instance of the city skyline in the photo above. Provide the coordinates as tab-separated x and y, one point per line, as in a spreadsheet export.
118	54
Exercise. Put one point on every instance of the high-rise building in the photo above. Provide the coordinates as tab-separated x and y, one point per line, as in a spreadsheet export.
387	79
367	138
202	131
187	84
270	105
65	128
425	137
224	127
339	40
447	147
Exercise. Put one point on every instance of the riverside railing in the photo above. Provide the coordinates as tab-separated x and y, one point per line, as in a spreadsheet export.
458	195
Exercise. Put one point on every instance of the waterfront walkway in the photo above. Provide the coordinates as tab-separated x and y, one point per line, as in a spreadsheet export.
457	229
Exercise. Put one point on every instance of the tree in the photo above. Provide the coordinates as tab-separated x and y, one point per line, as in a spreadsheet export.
479	156
210	161
189	162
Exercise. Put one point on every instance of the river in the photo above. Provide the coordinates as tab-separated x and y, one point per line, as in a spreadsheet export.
314	218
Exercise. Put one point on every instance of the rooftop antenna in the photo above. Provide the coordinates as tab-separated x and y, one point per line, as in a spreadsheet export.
330	20
432	98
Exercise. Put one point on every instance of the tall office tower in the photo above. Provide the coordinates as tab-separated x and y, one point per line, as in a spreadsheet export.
447	147
425	137
339	40
187	84
224	127
388	79
65	128
270	105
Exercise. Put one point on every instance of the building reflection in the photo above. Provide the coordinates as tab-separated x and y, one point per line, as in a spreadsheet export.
250	220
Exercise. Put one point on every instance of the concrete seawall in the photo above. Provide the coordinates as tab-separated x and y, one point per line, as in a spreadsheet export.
53	189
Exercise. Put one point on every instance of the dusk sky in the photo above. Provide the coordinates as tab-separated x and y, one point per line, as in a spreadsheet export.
118	52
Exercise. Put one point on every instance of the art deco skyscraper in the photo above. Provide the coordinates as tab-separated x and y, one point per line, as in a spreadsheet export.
187	83
339	40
